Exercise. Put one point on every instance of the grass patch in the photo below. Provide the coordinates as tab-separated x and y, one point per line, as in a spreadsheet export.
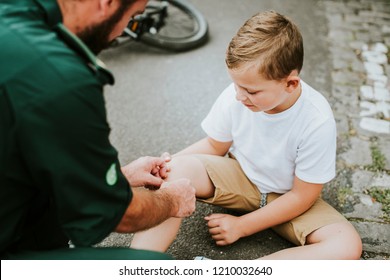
382	196
343	194
378	160
388	55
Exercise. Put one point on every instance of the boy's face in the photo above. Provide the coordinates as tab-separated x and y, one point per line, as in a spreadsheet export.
261	95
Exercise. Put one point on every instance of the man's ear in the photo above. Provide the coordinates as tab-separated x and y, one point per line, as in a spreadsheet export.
107	7
292	82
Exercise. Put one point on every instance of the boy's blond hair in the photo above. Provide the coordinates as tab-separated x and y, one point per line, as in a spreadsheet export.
271	41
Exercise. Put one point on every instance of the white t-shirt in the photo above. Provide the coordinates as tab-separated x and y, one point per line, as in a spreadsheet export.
272	148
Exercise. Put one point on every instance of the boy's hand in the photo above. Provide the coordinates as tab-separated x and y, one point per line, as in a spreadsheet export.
223	228
162	171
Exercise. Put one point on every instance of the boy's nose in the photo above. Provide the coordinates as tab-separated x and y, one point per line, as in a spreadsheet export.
240	95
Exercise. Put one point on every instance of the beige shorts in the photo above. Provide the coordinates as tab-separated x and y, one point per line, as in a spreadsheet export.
233	190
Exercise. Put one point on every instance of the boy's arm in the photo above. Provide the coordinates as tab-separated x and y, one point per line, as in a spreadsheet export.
226	229
207	146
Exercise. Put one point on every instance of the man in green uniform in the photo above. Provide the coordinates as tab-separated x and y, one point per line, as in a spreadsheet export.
60	179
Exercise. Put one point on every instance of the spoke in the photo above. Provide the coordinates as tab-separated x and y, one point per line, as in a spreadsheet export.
178	24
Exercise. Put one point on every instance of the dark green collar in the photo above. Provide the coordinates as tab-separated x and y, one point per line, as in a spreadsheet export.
52	11
97	66
53	18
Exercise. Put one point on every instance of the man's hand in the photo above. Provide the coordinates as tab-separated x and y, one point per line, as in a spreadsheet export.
146	171
149	208
224	228
182	195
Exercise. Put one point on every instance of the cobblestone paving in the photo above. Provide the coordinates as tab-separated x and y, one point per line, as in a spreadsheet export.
359	43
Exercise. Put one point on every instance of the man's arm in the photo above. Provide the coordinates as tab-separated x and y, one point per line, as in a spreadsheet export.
149	208
226	229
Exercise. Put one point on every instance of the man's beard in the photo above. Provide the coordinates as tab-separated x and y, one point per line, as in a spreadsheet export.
97	37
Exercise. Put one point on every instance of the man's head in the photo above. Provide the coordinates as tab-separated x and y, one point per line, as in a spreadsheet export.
271	42
98	22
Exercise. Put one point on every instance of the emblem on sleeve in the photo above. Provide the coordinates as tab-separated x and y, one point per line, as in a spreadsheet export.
111	176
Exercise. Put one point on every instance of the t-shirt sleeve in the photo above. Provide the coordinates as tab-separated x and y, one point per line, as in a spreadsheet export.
316	154
67	151
218	122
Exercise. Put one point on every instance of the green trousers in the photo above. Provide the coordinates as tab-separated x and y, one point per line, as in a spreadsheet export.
88	253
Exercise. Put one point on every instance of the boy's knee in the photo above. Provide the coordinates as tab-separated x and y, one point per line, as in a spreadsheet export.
351	243
356	246
192	168
185	161
184	166
342	241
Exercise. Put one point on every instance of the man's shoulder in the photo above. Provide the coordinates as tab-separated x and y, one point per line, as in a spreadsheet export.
41	54
30	46
40	70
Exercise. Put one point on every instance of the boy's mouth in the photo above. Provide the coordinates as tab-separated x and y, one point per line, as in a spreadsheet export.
247	105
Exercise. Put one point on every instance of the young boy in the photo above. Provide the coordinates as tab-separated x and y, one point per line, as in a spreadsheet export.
280	136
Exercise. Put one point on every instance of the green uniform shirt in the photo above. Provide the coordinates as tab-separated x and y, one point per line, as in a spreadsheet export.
60	177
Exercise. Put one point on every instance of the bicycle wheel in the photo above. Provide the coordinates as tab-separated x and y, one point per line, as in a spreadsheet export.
185	28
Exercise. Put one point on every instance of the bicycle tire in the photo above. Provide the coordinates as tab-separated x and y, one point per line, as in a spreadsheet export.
183	40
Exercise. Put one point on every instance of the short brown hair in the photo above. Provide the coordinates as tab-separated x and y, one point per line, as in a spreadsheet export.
270	39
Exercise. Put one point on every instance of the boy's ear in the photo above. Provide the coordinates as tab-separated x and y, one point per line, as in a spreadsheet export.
292	82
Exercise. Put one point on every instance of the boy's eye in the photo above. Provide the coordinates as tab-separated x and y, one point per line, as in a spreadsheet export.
250	92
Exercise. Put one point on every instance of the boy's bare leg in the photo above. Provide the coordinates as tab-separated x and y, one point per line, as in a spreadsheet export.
335	241
160	237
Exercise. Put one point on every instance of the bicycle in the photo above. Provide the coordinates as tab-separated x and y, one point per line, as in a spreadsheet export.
174	25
